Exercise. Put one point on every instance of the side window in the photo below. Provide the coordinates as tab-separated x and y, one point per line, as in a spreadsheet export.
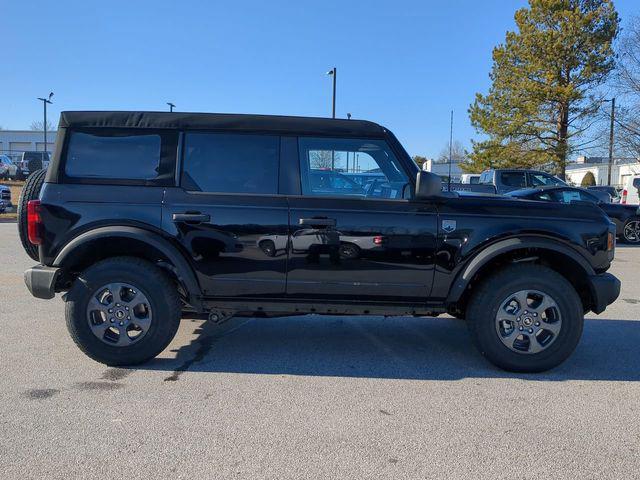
513	179
587	197
541	179
230	163
113	155
567	196
543	196
350	167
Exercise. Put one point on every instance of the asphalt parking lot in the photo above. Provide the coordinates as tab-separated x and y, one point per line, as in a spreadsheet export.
314	397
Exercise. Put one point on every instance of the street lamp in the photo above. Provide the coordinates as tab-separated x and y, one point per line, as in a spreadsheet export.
44	126
171	106
334	73
613	113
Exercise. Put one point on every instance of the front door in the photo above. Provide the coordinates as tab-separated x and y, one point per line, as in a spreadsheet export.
354	235
226	213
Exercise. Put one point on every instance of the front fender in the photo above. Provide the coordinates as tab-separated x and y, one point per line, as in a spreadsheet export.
482	258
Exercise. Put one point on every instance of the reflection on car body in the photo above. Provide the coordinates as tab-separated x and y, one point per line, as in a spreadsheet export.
322	241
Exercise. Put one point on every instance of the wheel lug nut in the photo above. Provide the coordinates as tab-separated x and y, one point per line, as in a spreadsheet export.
537	324
525	312
121	324
128	318
111	320
531	330
111	310
520	328
535	314
126	308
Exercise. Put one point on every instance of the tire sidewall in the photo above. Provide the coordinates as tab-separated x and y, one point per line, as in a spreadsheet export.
572	321
154	341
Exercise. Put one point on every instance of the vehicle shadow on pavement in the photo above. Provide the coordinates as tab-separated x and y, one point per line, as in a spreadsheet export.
376	347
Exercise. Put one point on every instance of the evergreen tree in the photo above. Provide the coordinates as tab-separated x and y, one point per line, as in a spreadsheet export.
543	84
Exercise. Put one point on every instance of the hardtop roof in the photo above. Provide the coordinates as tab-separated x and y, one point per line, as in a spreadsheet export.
221	121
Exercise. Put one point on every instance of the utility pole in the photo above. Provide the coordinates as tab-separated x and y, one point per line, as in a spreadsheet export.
171	106
450	150
334	73
613	112
44	126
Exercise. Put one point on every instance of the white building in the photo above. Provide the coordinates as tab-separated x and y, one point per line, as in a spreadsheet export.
17	141
442	170
599	167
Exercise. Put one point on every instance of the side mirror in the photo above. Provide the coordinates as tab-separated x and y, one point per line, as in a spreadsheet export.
428	185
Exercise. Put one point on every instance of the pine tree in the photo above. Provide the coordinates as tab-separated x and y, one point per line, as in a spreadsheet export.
544	79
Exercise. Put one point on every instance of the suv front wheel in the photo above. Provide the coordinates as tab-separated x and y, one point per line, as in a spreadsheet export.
123	311
526	318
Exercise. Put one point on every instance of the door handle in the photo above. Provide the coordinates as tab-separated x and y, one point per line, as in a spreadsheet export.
318	222
194	217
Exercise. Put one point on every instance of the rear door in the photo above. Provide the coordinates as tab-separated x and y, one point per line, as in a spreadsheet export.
228	215
356	240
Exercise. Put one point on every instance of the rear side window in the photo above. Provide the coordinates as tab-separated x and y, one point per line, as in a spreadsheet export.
231	163
513	179
111	155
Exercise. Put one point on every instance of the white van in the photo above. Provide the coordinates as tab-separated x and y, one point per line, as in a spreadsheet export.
630	191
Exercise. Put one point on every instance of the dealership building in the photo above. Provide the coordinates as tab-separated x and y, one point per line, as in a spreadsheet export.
623	168
18	141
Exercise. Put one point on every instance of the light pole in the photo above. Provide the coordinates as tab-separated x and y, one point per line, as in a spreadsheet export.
171	106
613	113
44	126
334	73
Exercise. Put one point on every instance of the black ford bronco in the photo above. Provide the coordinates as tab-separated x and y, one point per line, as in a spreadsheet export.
143	218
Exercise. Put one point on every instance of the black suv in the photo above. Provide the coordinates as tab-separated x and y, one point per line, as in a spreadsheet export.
144	218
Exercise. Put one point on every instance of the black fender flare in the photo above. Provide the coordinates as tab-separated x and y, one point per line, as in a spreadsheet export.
184	270
503	246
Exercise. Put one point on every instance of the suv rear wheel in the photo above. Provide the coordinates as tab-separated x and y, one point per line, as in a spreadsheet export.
123	311
526	318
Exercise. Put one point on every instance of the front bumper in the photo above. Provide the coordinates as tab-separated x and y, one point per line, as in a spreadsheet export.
41	280
605	288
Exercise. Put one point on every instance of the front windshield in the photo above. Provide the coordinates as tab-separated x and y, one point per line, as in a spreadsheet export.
542	179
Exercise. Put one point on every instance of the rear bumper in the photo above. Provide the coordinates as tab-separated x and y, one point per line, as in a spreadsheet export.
41	280
605	288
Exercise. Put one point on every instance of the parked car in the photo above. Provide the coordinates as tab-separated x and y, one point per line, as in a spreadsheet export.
507	180
614	196
165	220
8	169
630	191
625	217
5	198
30	162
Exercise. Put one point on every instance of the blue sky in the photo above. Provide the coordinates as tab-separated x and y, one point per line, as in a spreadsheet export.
404	64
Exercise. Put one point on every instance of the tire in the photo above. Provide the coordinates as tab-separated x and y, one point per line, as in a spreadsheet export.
30	191
631	231
34	165
163	314
482	313
268	247
349	251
